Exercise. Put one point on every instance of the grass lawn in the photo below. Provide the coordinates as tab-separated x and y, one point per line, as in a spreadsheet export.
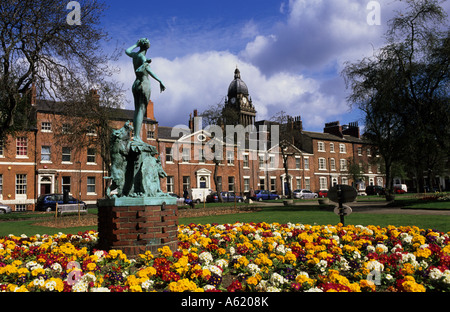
311	215
280	214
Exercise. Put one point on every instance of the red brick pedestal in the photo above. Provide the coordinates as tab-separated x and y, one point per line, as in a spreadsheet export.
134	229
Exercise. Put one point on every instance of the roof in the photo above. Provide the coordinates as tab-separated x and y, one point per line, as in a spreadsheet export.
332	137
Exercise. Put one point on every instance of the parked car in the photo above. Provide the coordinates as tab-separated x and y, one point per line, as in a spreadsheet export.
48	202
323	194
5	209
375	190
226	196
398	190
264	195
199	194
305	194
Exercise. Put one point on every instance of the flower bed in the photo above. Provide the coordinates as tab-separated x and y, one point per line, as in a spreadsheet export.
236	257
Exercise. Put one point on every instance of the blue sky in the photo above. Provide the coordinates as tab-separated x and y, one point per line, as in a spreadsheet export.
290	52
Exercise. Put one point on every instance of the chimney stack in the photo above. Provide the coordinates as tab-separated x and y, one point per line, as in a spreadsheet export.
334	128
352	129
150	114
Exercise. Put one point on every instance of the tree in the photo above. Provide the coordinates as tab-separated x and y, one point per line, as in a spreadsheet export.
38	46
287	139
403	89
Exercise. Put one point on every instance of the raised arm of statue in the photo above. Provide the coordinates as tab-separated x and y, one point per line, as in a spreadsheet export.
130	52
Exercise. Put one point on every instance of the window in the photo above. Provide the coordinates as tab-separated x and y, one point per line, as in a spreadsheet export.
46	126
261	161
320	146
91	130
231	184
245	164
343	163
170	181
21	207
150	134
273	184
186	156
322	164
332	164
66	154
306	163
2	148
230	157
1	185
332	147
45	154
21	146
297	162
359	151
246	184
169	155
21	184
272	161
344	180
91	185
323	183
308	184
369	168
299	183
91	155
65	128
66	184
369	152
186	182
262	183
342	148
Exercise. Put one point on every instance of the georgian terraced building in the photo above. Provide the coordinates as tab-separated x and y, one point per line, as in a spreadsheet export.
34	162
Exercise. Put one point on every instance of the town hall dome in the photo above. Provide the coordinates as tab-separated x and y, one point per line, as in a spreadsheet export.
237	86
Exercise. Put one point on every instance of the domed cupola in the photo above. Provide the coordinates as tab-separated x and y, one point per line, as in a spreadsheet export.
237	86
238	108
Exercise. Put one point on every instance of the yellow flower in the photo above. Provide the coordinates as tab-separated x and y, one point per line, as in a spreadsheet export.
252	280
165	251
91	266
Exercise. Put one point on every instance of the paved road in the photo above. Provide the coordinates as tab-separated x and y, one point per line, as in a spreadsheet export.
376	207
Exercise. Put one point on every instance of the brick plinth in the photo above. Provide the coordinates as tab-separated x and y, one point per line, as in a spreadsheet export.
136	229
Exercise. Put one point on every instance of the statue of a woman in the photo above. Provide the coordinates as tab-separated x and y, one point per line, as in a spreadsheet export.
141	86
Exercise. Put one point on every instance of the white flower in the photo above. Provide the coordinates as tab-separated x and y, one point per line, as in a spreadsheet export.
254	269
206	257
273	289
100	289
435	273
147	284
50	285
80	287
314	289
209	287
223	263
374	265
56	267
277	280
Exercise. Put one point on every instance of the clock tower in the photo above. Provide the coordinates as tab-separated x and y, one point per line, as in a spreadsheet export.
238	108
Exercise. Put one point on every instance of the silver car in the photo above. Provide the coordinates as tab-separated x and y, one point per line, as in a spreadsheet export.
4	209
305	194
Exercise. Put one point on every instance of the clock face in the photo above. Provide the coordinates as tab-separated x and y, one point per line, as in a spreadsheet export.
244	100
233	100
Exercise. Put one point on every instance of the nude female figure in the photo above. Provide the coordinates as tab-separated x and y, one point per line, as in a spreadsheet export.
141	86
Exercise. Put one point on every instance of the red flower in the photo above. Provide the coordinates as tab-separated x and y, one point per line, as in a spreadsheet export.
235	286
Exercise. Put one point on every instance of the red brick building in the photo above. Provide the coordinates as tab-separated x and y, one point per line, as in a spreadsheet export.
35	162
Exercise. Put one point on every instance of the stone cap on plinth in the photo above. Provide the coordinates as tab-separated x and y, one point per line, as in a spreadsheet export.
137	201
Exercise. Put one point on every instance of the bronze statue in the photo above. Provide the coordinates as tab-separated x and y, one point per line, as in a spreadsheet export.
141	86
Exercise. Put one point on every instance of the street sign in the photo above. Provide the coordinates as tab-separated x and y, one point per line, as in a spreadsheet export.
344	211
342	193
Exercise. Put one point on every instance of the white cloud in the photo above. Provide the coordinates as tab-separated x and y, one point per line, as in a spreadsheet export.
199	80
